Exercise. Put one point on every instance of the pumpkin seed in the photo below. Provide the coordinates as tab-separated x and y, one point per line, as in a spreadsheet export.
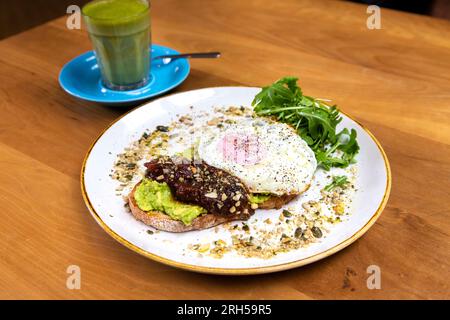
298	232
287	214
316	232
162	128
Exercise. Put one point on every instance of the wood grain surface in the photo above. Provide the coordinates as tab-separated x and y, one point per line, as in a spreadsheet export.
396	81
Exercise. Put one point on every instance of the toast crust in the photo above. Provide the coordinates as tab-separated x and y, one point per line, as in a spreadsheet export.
161	221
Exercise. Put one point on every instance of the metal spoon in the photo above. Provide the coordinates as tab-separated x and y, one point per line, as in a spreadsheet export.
169	57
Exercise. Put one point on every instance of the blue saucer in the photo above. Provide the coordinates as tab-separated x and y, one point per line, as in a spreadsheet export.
80	77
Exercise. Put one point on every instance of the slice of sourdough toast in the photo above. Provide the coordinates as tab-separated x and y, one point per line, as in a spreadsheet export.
162	221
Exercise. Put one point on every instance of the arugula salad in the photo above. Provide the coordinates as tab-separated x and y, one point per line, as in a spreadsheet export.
313	120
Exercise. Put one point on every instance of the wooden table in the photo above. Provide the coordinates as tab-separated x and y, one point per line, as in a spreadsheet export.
396	81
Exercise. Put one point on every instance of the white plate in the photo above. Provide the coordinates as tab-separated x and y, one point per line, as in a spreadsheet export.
374	181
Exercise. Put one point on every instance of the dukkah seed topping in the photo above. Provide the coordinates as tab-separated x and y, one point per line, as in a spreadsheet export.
201	184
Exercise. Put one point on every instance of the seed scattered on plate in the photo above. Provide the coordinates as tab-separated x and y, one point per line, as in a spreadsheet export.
316	232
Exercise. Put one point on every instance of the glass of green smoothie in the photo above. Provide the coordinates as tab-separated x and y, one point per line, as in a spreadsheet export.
120	33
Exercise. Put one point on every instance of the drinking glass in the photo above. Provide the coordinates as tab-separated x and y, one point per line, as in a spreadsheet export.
120	34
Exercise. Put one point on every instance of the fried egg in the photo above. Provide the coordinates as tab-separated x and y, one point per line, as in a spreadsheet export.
268	156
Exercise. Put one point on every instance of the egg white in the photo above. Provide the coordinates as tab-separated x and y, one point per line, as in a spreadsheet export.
280	162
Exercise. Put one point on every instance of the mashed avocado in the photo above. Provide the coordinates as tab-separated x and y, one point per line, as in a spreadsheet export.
152	195
259	197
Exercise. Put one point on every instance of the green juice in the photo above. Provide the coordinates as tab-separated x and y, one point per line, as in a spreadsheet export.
120	33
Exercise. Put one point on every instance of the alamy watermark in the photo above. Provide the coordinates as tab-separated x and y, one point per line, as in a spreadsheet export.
73	21
73	281
374	20
374	279
239	148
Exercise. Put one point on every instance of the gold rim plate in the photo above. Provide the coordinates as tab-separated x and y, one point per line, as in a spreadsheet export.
239	271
